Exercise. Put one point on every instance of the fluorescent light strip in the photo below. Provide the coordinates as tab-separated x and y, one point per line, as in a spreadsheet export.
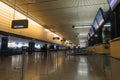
82	41
84	26
46	30
83	34
67	41
107	25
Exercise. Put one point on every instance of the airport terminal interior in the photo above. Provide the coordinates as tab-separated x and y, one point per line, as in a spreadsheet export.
59	39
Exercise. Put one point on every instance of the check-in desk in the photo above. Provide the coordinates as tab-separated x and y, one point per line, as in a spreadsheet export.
115	48
102	60
115	58
88	49
102	49
91	49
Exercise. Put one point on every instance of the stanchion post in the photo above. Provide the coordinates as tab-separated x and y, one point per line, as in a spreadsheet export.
24	49
47	62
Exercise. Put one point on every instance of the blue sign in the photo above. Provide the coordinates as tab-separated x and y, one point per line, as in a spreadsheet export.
16	43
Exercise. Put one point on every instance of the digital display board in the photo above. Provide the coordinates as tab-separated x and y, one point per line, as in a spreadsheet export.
113	3
91	32
19	24
99	17
88	37
95	25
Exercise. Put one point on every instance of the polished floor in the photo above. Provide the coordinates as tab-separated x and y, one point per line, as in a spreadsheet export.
56	66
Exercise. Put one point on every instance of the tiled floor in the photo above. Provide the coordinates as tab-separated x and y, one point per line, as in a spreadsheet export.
37	67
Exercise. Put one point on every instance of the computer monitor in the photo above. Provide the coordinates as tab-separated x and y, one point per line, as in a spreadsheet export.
88	36
100	17
95	25
113	3
91	32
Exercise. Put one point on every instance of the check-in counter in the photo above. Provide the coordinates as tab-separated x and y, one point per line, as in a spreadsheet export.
102	49
115	48
100	60
88	49
115	58
91	49
115	69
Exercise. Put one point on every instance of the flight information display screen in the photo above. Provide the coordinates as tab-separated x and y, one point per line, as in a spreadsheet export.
99	17
95	25
113	3
91	32
88	36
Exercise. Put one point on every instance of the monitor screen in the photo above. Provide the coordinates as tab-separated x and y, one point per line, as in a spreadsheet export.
99	17
88	37
113	3
91	32
95	25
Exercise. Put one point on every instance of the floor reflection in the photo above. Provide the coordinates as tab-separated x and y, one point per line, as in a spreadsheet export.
16	61
53	67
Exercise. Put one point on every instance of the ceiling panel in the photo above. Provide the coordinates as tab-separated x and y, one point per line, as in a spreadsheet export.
61	15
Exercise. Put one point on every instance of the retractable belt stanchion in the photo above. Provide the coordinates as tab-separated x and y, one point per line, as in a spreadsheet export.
63	56
57	66
48	55
64	53
23	63
57	59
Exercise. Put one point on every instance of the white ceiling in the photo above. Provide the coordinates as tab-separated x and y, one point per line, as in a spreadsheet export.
61	15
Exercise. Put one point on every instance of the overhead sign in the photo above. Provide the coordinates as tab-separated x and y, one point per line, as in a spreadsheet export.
56	38
19	24
63	40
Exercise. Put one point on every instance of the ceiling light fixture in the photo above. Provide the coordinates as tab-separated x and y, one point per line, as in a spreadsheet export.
46	30
83	34
82	26
107	25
